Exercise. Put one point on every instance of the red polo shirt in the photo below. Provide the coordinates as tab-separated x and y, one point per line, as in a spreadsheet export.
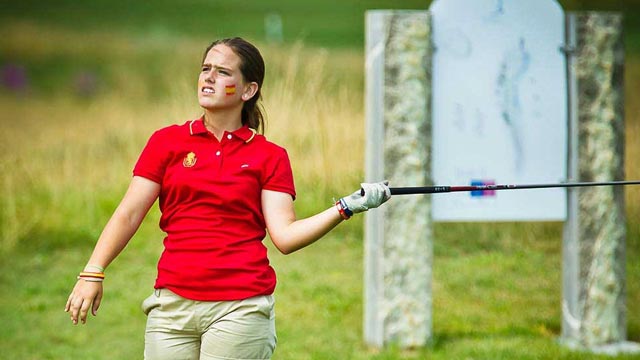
210	201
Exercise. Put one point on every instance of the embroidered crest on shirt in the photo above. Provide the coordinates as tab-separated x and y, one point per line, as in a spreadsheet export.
189	160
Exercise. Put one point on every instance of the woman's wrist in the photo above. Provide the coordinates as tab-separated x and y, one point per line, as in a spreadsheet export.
93	268
343	209
92	273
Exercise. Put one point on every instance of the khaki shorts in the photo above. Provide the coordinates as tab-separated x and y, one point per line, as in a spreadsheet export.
178	328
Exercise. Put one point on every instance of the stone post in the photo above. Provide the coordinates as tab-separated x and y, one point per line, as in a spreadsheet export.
593	306
398	236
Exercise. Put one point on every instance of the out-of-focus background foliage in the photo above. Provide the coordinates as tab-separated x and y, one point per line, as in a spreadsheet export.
83	85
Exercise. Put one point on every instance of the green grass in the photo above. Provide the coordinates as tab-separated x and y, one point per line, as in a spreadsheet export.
498	301
65	160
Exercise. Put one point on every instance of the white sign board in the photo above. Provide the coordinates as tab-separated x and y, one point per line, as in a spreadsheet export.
499	108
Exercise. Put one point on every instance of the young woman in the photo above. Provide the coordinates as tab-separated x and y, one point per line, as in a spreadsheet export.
221	187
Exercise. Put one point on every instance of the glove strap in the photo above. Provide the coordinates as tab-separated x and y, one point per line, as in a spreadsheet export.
343	209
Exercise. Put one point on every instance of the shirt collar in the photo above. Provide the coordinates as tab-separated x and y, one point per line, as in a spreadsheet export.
196	127
245	133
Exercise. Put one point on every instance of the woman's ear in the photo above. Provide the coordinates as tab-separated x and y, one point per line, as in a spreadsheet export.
249	91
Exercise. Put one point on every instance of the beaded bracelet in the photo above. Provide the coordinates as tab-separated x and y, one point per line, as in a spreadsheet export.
91	276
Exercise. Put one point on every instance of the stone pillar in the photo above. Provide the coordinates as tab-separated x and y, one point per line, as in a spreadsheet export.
594	241
398	236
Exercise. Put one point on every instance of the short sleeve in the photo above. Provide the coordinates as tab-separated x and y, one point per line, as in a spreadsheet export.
279	174
152	161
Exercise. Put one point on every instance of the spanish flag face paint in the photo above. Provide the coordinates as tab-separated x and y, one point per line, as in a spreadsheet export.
230	89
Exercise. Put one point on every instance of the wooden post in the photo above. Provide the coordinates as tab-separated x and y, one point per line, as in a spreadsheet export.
398	244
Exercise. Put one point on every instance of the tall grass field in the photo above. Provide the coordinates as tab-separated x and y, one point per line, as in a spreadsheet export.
82	106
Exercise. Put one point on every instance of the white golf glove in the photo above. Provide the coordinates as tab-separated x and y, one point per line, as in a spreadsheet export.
371	195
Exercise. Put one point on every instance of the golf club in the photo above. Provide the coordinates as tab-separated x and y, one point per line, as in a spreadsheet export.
412	190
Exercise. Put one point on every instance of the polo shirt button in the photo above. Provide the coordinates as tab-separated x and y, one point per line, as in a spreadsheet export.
229	136
218	153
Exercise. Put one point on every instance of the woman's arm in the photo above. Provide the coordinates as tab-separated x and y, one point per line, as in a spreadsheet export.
124	222
289	234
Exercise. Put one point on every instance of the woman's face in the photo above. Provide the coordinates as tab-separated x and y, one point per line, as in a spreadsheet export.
221	84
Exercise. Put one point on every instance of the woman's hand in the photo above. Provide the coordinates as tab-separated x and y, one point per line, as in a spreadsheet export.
370	196
85	295
122	225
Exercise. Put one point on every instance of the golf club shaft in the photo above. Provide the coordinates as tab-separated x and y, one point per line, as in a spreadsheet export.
447	189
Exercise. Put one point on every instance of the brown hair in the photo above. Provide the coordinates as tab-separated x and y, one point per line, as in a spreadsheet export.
252	69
